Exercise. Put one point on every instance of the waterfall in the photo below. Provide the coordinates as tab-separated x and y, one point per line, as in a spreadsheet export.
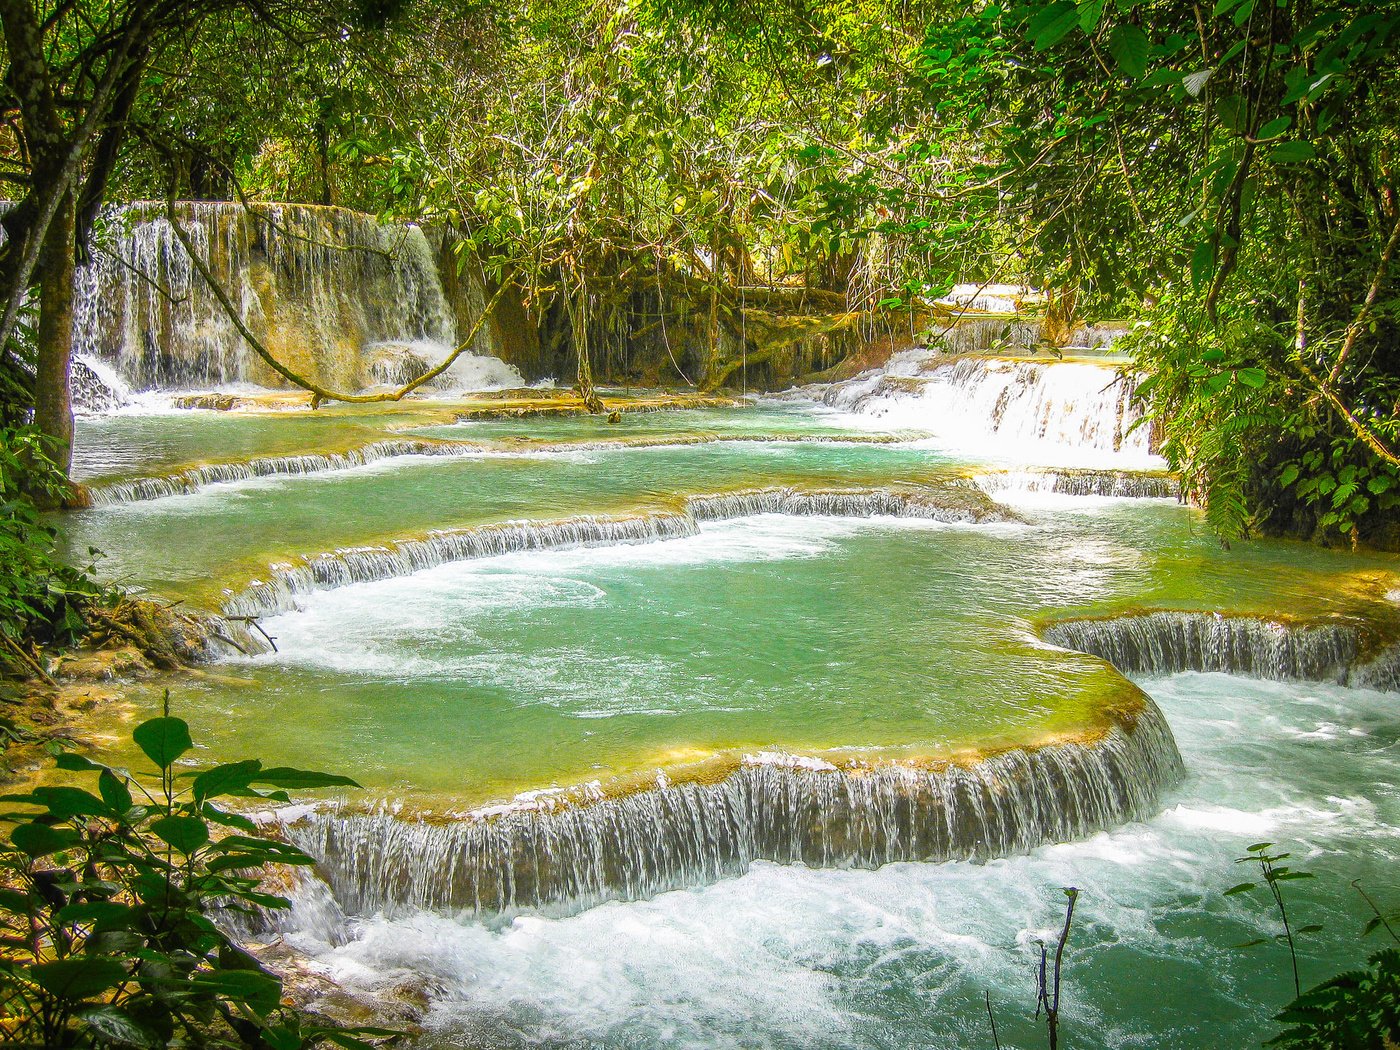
340	568
1161	643
1019	405
334	294
96	386
577	853
346	566
192	479
1119	483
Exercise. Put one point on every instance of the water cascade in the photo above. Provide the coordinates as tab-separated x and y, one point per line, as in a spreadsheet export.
1162	643
288	580
776	808
1116	483
1004	402
192	479
334	294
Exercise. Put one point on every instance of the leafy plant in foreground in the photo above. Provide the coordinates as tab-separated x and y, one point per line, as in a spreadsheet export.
41	597
1355	1010
106	904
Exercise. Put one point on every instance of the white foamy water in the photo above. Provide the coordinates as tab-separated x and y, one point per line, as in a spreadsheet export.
786	956
1003	410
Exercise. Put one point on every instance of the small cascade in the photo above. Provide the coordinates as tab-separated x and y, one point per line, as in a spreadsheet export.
975	335
951	505
340	568
690	834
1020	405
1126	484
1162	643
96	386
334	294
194	478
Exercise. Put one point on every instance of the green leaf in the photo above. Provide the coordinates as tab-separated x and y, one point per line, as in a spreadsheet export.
228	778
163	739
39	840
1251	377
1129	47
1275	127
1243	887
76	763
186	834
286	777
67	802
77	978
1202	263
1288	475
114	791
1292	152
1052	24
1258	847
261	991
1090	13
115	1025
103	912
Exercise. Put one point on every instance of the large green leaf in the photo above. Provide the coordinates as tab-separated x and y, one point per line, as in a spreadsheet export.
232	777
114	1025
1052	24
1129	47
39	840
1292	152
163	739
77	978
259	990
286	777
186	834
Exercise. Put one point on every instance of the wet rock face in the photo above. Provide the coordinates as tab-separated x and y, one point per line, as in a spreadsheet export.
103	665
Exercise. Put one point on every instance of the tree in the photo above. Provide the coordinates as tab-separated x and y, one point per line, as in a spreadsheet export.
74	75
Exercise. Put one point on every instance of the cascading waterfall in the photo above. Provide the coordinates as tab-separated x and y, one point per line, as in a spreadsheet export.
793	811
334	294
1117	483
1015	403
195	478
96	385
1168	642
192	479
287	580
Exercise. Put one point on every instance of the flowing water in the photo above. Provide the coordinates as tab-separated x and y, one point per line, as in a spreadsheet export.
771	726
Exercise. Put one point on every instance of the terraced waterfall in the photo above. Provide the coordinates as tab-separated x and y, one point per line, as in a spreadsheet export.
779	724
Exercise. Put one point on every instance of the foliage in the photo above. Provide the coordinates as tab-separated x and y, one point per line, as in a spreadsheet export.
42	596
109	901
1356	1010
1224	172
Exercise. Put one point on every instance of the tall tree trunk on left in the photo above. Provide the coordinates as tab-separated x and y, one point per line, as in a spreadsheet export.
53	401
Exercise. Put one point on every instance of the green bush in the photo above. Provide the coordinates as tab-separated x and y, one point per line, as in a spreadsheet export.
41	596
107	898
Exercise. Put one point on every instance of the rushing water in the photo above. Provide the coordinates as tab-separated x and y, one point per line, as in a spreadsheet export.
768	726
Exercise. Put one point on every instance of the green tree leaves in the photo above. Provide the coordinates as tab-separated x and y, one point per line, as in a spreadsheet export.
1129	47
111	942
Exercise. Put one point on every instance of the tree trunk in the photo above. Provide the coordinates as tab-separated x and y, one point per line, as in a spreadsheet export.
53	402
